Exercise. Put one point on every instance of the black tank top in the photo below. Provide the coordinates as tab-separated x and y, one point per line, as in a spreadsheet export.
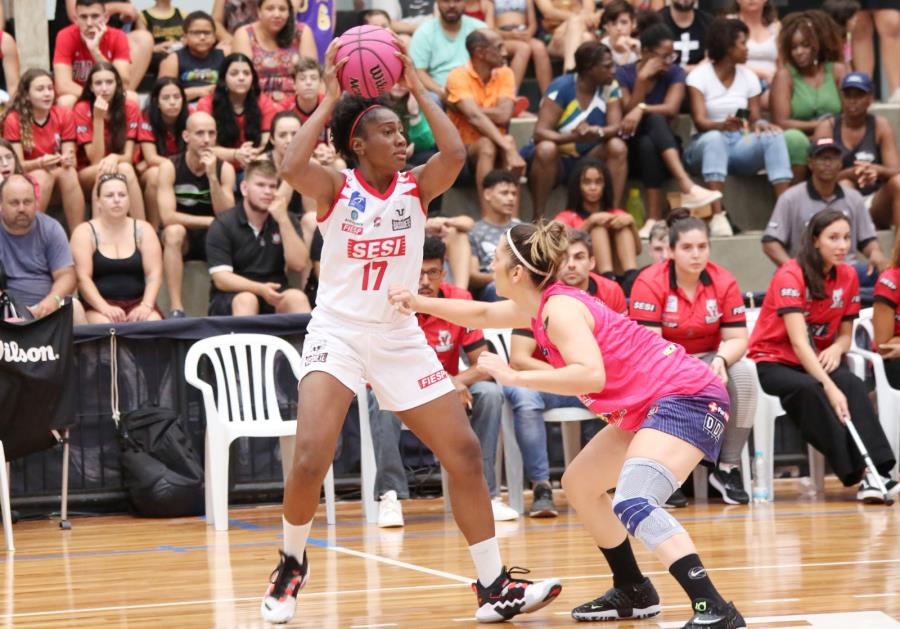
866	151
118	278
195	72
192	193
168	29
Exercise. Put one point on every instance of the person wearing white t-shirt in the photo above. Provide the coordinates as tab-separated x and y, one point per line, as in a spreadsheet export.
732	138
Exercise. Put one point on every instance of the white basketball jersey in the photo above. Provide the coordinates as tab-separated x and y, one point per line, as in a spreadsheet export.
372	241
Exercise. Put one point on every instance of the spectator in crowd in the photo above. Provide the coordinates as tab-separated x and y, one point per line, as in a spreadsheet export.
886	318
229	15
652	95
884	15
567	131
870	159
690	27
166	24
89	41
161	137
193	187
529	405
319	18
9	64
479	9
797	206
480	395
843	12
761	19
106	129
439	45
405	15
420	140
10	164
248	279
481	96
43	137
733	137
658	244
697	303
34	253
118	259
242	113
615	239
285	126
516	21
569	23
196	64
805	88
275	43
499	209
618	23
800	338
307	89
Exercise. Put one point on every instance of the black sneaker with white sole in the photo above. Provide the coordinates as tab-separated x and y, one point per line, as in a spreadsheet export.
631	602
510	596
286	581
677	500
709	616
731	485
542	505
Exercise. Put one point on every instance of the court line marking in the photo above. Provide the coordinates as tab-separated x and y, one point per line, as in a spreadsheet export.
383	624
401	564
881	595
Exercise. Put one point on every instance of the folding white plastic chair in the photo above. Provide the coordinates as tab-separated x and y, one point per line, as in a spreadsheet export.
4	498
768	408
244	403
888	397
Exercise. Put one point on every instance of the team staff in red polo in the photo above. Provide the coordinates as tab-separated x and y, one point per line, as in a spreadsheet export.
696	303
886	318
799	341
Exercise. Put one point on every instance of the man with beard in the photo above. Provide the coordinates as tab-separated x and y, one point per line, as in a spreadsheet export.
439	45
251	247
34	254
689	25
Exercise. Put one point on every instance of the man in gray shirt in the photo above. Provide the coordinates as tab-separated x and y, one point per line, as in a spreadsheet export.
34	253
498	211
799	203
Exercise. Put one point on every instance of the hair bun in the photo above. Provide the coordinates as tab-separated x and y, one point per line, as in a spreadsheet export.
677	214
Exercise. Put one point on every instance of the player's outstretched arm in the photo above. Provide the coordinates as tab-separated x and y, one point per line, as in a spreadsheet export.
304	175
437	175
465	312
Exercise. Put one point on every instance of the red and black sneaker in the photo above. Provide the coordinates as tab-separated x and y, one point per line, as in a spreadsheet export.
286	581
508	596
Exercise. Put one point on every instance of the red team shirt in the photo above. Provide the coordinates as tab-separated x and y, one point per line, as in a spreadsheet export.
657	301
71	50
887	291
603	289
147	134
47	138
787	292
448	338
84	129
266	107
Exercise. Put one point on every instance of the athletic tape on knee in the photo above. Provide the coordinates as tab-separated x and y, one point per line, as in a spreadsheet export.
644	485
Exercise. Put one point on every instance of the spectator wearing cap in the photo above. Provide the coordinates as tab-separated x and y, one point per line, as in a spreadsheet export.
871	162
481	97
796	207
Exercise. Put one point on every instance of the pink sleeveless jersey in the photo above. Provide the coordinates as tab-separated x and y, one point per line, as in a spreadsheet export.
641	366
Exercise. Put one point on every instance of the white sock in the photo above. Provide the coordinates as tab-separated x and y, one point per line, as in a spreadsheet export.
727	467
486	556
295	538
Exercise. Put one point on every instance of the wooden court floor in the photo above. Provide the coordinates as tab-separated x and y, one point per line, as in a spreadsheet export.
799	562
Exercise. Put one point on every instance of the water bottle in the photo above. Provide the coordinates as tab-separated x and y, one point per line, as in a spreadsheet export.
760	491
635	206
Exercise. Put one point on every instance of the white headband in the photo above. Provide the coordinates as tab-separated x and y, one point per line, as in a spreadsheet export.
518	255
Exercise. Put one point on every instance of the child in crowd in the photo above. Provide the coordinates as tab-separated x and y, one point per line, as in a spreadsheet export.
196	65
166	24
618	23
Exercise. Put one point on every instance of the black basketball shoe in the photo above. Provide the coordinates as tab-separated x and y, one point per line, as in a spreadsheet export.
508	596
709	616
632	602
730	484
287	579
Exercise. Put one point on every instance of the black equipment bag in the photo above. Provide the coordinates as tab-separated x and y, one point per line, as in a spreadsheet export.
162	471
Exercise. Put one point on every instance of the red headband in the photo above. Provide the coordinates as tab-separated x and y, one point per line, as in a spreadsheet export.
360	117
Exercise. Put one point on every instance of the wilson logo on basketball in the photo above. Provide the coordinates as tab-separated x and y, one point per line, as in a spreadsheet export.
431	379
378	248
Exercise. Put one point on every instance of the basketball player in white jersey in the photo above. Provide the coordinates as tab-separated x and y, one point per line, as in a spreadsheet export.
372	218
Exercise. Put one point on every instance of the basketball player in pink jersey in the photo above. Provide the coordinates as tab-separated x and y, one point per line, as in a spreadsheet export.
372	217
666	411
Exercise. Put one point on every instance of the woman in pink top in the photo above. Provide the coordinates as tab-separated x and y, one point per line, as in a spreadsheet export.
666	411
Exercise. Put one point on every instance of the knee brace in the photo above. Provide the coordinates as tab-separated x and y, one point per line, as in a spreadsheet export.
644	485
